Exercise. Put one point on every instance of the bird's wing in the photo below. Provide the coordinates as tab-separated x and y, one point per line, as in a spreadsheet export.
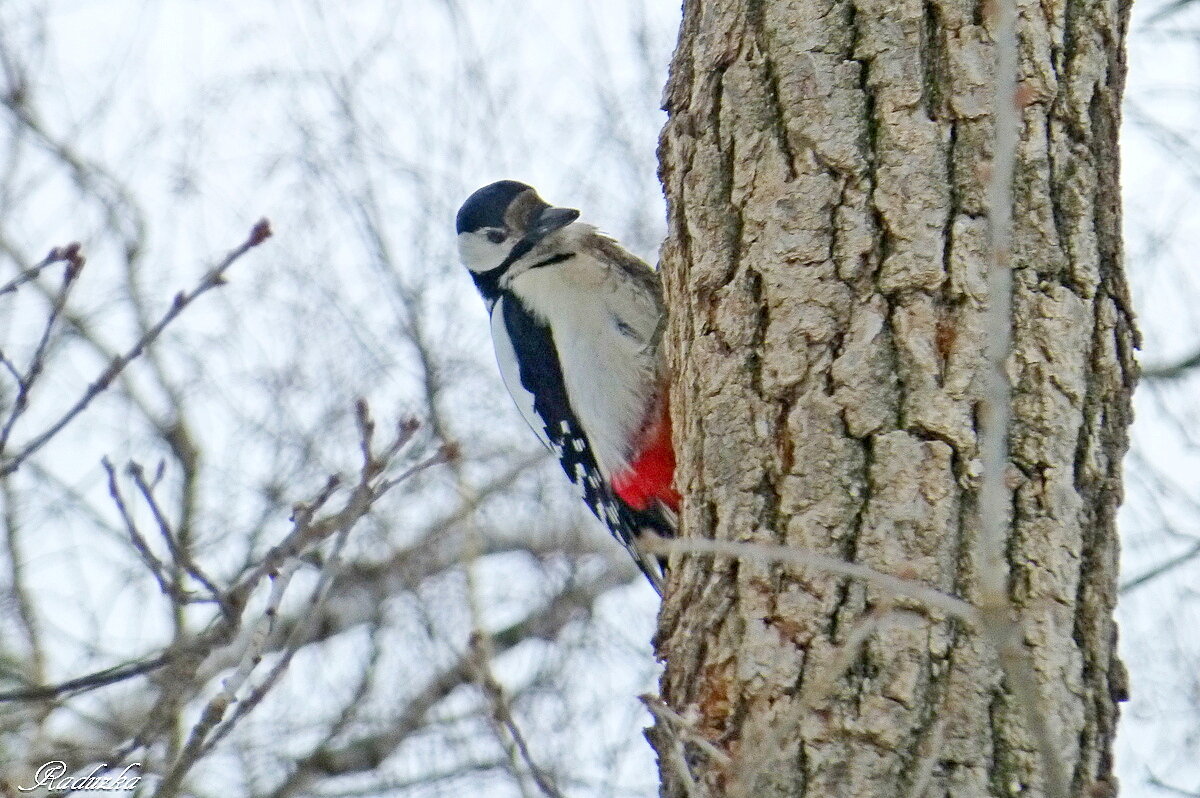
537	388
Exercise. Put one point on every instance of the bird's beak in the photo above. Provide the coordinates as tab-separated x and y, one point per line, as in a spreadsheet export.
548	221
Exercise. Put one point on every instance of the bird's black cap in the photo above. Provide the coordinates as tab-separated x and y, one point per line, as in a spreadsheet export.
486	207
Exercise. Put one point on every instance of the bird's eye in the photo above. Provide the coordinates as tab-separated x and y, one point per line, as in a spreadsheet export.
495	236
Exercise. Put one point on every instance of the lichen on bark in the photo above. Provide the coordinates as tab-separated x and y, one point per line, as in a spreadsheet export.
825	165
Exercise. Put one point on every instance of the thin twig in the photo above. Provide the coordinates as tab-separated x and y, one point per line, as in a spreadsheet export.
12	369
280	563
502	715
215	709
69	253
183	558
821	686
307	529
299	634
676	755
1158	570
923	772
37	361
91	681
298	778
996	400
806	558
368	751
1155	781
1162	13
214	278
1171	371
152	563
684	730
20	588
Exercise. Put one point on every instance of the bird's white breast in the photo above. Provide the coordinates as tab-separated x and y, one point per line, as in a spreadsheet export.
605	333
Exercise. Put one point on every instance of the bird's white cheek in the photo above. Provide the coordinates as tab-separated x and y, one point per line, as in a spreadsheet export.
476	253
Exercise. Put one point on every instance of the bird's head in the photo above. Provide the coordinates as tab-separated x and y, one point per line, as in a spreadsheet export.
504	221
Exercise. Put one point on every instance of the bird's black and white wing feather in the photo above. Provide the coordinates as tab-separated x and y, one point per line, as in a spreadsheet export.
538	388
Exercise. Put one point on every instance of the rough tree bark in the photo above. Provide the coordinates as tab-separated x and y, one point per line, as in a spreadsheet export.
825	166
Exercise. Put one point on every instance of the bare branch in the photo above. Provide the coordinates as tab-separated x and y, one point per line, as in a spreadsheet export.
1171	371
215	277
280	564
299	635
684	730
819	688
179	553
70	254
307	529
21	589
502	715
804	558
367	752
37	361
671	724
153	564
1148	576
103	678
932	744
1171	788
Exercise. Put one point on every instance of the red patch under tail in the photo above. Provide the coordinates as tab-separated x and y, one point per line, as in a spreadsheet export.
652	470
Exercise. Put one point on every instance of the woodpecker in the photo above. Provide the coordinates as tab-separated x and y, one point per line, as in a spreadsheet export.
577	323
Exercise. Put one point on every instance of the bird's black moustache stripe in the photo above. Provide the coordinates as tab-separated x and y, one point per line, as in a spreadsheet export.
553	259
488	282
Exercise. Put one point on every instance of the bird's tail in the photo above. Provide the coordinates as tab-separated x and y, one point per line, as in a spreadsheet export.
635	526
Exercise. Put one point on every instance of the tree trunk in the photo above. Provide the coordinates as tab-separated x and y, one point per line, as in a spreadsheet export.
825	165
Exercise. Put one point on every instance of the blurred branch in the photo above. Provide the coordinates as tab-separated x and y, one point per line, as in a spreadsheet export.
1162	785
153	564
1184	153
37	361
69	254
308	529
179	552
683	729
502	718
82	684
805	558
298	636
675	726
999	620
279	564
19	586
1168	10
1172	371
362	586
122	214
367	752
1158	570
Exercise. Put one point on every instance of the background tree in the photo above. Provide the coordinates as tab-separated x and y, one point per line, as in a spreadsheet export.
421	649
827	172
1160	531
